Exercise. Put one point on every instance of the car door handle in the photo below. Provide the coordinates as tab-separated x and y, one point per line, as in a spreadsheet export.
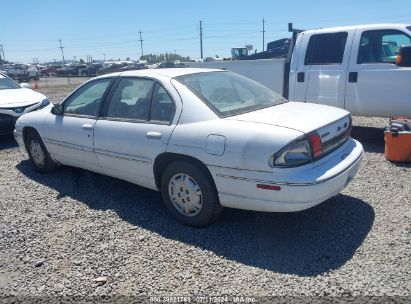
155	135
87	127
300	77
352	76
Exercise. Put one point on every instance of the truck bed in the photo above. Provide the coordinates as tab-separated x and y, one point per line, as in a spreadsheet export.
268	72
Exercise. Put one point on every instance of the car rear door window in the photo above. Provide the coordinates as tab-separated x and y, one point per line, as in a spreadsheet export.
131	99
326	49
86	100
162	107
381	46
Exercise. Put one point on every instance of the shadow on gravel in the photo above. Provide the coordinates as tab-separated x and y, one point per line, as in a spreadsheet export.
306	243
7	142
371	138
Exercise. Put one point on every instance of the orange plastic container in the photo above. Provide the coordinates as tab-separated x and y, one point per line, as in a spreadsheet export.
398	142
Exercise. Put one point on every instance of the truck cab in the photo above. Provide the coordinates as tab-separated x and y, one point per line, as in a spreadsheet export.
237	53
353	68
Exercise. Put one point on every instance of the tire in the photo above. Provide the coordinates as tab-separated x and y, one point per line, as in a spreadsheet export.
192	207
38	154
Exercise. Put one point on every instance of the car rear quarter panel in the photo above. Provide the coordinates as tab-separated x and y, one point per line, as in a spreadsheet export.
240	144
247	146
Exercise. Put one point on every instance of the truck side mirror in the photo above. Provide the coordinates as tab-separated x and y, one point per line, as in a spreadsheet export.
57	109
404	56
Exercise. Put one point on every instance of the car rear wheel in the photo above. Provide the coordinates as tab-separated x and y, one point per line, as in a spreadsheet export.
38	154
190	195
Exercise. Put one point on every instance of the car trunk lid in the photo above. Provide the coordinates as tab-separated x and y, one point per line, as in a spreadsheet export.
326	127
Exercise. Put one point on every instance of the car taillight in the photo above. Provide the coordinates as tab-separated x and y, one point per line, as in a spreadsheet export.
295	154
316	145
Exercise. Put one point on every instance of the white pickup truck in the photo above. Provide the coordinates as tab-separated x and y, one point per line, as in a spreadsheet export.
351	67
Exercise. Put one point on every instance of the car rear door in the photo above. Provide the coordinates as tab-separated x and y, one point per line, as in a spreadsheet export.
135	128
327	58
69	137
376	85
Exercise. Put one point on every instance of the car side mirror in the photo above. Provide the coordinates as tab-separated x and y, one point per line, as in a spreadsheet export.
57	109
404	56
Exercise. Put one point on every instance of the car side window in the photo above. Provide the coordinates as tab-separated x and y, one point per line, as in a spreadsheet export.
131	99
162	107
326	49
381	46
86	100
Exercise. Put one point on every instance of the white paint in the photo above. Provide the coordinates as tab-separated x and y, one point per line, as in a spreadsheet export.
215	144
236	150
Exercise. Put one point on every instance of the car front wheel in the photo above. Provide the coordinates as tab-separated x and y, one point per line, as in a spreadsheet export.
190	195
38	154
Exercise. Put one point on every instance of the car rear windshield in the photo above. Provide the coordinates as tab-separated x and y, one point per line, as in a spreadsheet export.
6	83
229	94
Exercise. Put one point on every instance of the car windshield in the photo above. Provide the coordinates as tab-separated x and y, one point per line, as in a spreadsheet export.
6	83
230	94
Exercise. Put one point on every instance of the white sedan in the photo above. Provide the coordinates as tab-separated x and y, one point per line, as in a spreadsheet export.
206	139
16	101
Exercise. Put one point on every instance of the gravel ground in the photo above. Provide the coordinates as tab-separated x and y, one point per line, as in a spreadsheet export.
74	232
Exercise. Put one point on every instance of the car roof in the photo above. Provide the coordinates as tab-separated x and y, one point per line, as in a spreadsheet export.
169	72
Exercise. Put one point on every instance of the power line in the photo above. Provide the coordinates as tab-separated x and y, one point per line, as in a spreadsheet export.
141	44
231	35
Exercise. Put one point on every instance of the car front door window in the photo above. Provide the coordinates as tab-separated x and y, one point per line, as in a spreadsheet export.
87	99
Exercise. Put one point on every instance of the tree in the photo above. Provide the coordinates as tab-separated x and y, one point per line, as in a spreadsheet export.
154	58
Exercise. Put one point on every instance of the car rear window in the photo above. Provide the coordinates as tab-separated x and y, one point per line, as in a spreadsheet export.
229	94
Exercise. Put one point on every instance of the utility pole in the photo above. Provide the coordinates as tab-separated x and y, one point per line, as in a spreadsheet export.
64	61
201	38
141	44
2	53
62	53
104	56
263	34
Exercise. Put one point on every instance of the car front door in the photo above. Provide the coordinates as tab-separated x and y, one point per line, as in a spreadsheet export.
377	86
135	128
69	136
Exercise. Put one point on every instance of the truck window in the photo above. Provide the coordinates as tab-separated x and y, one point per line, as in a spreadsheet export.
381	46
326	49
